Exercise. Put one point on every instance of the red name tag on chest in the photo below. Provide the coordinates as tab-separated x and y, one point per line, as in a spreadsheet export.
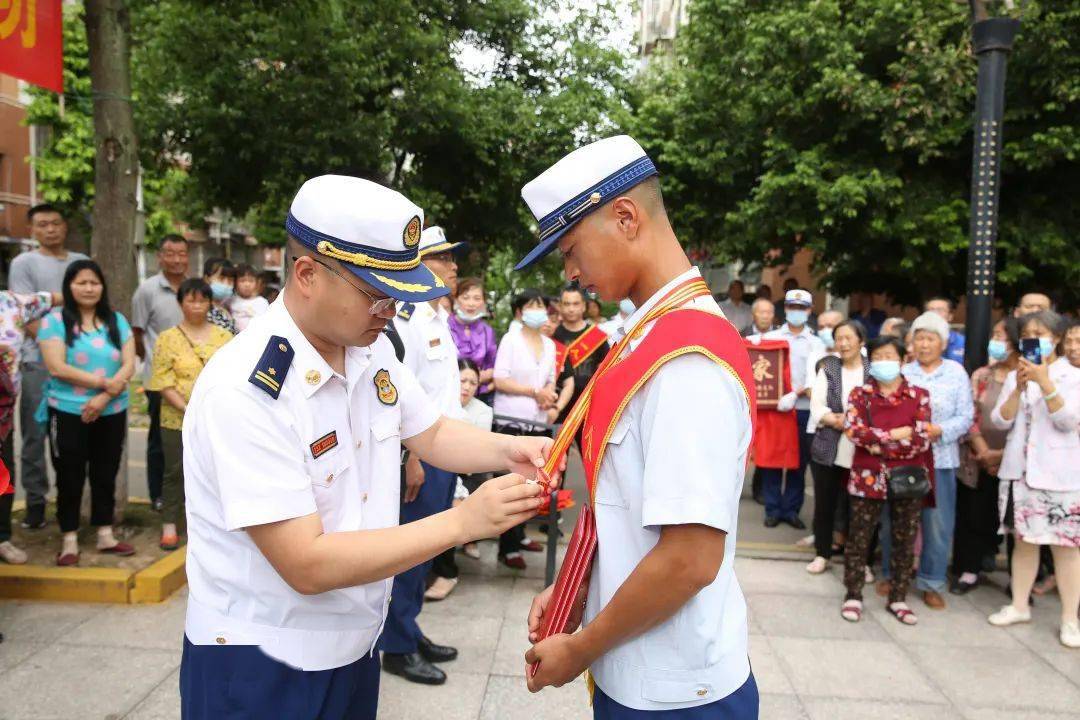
324	444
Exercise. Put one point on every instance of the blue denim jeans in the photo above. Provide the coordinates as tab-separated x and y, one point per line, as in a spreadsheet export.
938	524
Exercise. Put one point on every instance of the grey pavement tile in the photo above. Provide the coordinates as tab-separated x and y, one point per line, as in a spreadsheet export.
158	627
768	672
1066	661
781	707
839	709
510	651
33	621
474	637
786	577
459	699
508	698
1013	714
996	678
13	652
960	625
100	682
163	703
812	616
1041	634
474	596
853	669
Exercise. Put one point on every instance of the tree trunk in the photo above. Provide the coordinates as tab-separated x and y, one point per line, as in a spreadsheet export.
116	167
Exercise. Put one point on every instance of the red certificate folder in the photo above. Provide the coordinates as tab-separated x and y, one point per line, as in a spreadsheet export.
574	570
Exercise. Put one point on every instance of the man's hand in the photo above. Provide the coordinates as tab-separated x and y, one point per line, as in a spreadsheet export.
561	661
539	607
498	505
414	478
94	407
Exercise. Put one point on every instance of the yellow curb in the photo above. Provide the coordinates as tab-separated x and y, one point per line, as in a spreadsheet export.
157	582
65	584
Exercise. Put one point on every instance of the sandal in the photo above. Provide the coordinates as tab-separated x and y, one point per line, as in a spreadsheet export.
851	610
903	613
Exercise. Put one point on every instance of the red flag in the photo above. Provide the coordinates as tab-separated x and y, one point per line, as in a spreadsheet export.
31	42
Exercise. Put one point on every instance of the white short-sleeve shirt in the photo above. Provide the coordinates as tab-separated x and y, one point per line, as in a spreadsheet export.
328	444
431	354
677	456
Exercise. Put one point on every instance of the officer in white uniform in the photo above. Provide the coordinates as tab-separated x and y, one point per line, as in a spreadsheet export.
665	626
292	445
431	354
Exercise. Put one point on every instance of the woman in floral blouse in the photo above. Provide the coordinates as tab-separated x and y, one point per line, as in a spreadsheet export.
887	421
180	354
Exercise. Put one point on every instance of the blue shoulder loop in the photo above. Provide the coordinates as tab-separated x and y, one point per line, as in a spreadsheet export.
273	366
405	310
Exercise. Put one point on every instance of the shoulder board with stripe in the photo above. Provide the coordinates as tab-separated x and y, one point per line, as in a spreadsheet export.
269	373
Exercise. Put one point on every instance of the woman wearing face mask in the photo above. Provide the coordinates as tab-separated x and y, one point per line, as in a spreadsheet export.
1040	499
887	420
473	336
220	274
832	451
980	458
525	395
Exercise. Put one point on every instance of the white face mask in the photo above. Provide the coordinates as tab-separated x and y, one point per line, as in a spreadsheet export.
469	318
534	318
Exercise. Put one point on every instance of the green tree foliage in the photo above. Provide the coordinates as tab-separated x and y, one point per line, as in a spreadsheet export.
844	126
255	97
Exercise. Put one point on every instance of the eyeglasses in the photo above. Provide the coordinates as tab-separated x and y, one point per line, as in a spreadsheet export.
383	307
445	256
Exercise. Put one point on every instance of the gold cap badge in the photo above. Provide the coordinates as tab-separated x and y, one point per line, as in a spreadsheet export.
412	232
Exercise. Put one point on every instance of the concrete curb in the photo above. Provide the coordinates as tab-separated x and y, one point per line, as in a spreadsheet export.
152	584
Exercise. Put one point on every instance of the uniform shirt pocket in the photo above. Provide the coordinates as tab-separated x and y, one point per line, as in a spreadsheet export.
608	491
385	426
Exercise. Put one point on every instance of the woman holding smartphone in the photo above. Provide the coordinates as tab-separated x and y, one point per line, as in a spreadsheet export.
1040	496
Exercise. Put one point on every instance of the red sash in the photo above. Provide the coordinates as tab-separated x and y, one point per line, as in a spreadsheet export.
560	357
586	344
615	382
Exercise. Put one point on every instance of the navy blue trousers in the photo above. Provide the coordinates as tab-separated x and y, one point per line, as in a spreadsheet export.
739	705
401	633
784	499
241	682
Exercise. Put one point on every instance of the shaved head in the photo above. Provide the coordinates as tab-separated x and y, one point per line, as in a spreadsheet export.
648	194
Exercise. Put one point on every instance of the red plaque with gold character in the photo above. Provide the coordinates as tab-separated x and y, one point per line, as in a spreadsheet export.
769	365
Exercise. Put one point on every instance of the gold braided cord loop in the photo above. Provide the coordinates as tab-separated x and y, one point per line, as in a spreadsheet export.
678	297
359	259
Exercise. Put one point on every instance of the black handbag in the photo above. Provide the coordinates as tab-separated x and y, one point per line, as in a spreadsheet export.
904	482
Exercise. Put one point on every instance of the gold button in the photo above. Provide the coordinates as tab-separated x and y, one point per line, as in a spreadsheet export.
220	640
330	478
283	347
702	692
359	443
363	498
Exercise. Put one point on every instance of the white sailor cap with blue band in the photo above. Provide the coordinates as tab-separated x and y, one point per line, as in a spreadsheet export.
372	230
433	241
581	182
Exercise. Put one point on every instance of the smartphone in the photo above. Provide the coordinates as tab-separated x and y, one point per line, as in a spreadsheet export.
1029	348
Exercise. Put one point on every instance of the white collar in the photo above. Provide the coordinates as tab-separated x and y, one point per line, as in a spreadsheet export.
306	359
649	304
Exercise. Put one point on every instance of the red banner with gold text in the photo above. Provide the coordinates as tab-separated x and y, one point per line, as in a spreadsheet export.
31	42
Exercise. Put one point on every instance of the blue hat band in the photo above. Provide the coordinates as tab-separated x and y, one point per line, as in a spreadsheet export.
618	182
352	253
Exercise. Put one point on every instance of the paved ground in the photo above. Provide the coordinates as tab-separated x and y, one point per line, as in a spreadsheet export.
111	662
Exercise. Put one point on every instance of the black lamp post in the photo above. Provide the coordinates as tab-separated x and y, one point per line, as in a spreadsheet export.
992	40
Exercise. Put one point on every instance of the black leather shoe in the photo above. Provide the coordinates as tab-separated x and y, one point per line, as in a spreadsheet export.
413	667
34	518
795	522
435	653
771	522
962	588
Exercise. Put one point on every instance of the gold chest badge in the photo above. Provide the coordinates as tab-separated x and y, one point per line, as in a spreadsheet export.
388	394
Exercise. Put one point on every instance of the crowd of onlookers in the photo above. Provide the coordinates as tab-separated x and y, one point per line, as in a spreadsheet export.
911	456
68	358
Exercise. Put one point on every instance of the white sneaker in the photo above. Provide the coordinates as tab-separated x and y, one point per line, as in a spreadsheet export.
11	554
1009	615
805	541
868	576
1070	634
817	566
